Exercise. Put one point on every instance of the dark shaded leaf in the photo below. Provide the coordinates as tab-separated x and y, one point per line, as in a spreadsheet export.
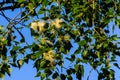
55	75
38	74
62	76
116	64
69	77
82	43
48	72
13	64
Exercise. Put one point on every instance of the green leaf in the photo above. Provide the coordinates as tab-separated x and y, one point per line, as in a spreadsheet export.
20	63
100	76
105	45
48	72
2	75
45	2
67	46
82	43
116	64
35	47
20	1
114	37
76	67
62	76
22	40
30	6
26	60
37	64
44	64
69	77
13	64
38	74
60	63
79	68
40	12
9	70
70	71
78	60
55	75
6	68
16	48
84	54
43	75
31	56
95	35
72	58
98	54
112	74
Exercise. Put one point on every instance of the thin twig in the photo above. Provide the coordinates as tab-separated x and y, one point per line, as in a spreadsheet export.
13	24
7	18
93	14
97	71
114	1
89	74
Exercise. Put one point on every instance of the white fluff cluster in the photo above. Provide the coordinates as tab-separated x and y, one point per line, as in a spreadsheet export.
50	56
56	23
38	26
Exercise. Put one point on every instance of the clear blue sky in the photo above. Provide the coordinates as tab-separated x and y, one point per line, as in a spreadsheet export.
27	72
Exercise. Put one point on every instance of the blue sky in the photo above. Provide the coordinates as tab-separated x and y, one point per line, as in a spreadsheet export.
27	72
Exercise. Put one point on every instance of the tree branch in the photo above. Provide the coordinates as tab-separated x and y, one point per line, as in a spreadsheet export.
12	7
89	74
8	8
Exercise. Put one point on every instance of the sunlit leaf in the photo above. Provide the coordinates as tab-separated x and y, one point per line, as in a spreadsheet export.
2	75
20	63
114	37
9	71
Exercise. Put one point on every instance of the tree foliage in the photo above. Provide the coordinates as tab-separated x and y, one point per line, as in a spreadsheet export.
55	27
